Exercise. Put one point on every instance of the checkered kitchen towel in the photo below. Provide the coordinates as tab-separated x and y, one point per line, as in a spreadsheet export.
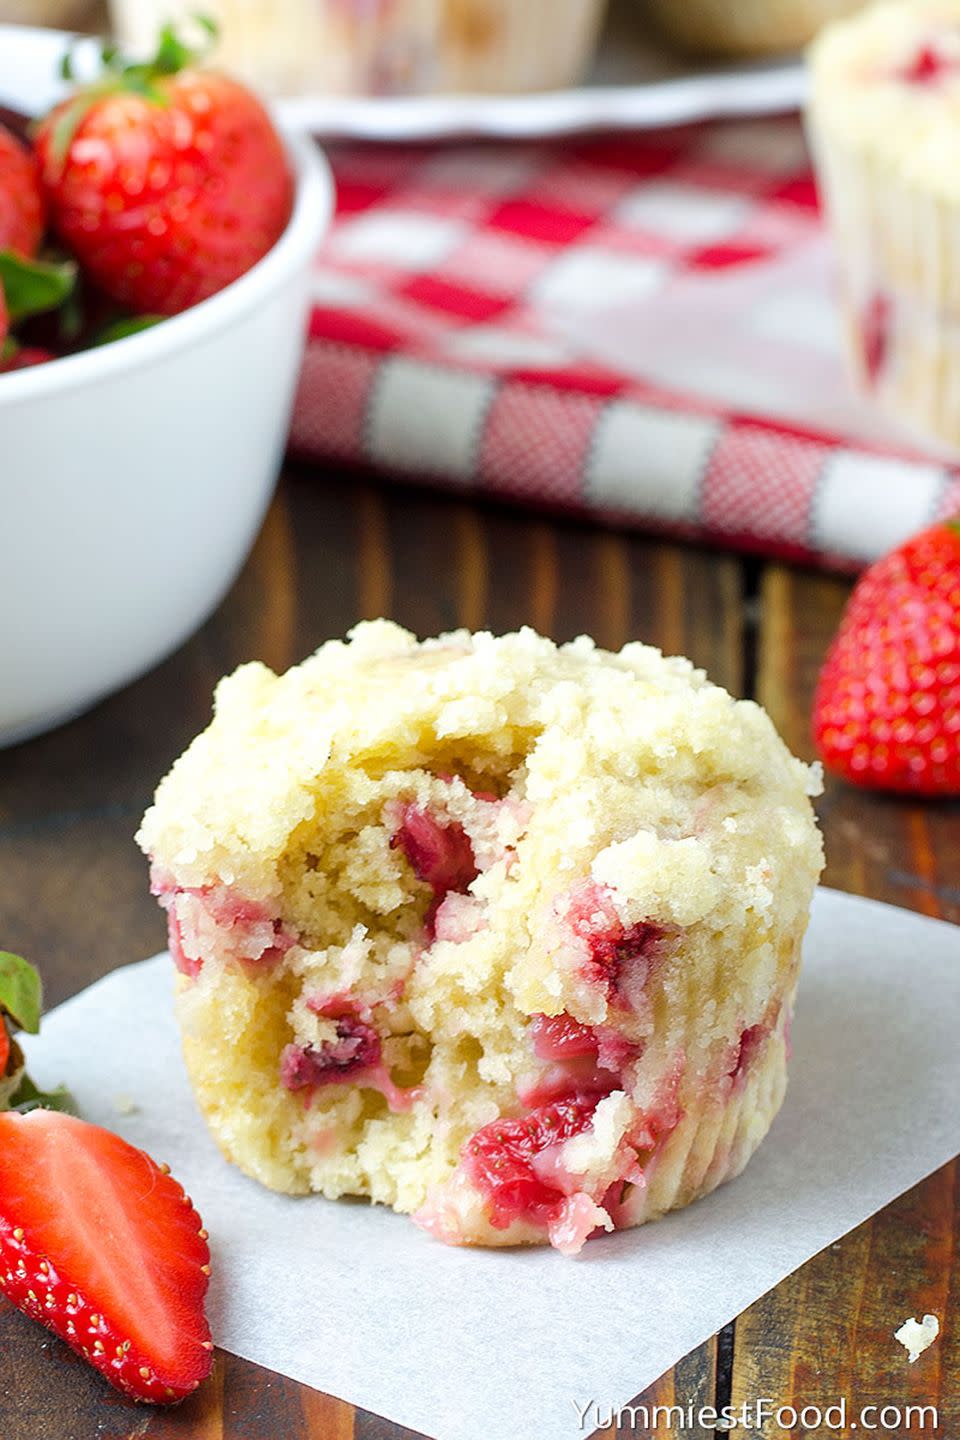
638	328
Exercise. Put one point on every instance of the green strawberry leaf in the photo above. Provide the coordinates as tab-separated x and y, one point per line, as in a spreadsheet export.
21	998
21	994
34	286
117	74
28	1098
127	325
172	54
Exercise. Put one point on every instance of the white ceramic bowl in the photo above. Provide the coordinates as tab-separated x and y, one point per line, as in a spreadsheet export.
133	478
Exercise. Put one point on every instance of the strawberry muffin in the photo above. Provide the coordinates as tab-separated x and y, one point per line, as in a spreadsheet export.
744	27
387	47
500	934
884	121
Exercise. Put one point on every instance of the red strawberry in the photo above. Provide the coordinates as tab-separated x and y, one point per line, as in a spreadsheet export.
560	1037
21	207
928	66
166	182
21	200
887	709
439	852
499	1159
875	337
24	357
100	1244
357	1047
4	1046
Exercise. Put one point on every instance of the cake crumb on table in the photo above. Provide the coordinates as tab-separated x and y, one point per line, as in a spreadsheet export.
917	1335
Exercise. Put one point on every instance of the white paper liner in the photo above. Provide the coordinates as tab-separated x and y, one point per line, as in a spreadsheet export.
897	250
469	1344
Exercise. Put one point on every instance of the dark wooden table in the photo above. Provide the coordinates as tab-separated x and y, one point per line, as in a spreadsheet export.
73	897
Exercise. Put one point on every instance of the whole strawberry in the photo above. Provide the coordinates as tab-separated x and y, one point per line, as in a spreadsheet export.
164	180
24	357
21	210
21	200
886	712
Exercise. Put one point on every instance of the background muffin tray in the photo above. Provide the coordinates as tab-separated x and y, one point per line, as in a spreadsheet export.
635	83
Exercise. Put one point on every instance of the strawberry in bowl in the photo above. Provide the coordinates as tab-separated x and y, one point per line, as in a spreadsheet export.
136	473
160	182
165	181
21	199
21	210
28	286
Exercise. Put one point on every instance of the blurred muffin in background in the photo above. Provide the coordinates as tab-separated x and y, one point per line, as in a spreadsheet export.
884	123
57	13
744	27
386	47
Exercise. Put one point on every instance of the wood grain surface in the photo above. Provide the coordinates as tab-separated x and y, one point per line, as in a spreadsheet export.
73	896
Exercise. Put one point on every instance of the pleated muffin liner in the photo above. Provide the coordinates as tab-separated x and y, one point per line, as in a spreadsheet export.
715	1138
406	47
898	259
721	1123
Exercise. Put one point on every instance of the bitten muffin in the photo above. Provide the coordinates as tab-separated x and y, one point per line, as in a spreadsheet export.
498	933
387	47
744	27
884	121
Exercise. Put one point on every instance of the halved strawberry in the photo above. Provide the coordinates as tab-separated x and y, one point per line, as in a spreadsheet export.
100	1244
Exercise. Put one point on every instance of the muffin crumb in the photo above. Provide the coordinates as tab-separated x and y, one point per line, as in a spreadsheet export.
916	1336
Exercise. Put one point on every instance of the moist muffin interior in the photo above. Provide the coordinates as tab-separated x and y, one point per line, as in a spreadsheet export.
495	932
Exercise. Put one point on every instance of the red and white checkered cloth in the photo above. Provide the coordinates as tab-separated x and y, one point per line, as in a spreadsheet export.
638	328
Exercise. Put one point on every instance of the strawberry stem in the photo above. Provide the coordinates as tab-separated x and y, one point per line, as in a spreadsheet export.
21	999
140	77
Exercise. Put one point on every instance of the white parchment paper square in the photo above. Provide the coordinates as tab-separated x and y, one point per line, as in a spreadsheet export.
470	1344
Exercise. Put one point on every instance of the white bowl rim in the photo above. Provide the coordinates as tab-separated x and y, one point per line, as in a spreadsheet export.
312	211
